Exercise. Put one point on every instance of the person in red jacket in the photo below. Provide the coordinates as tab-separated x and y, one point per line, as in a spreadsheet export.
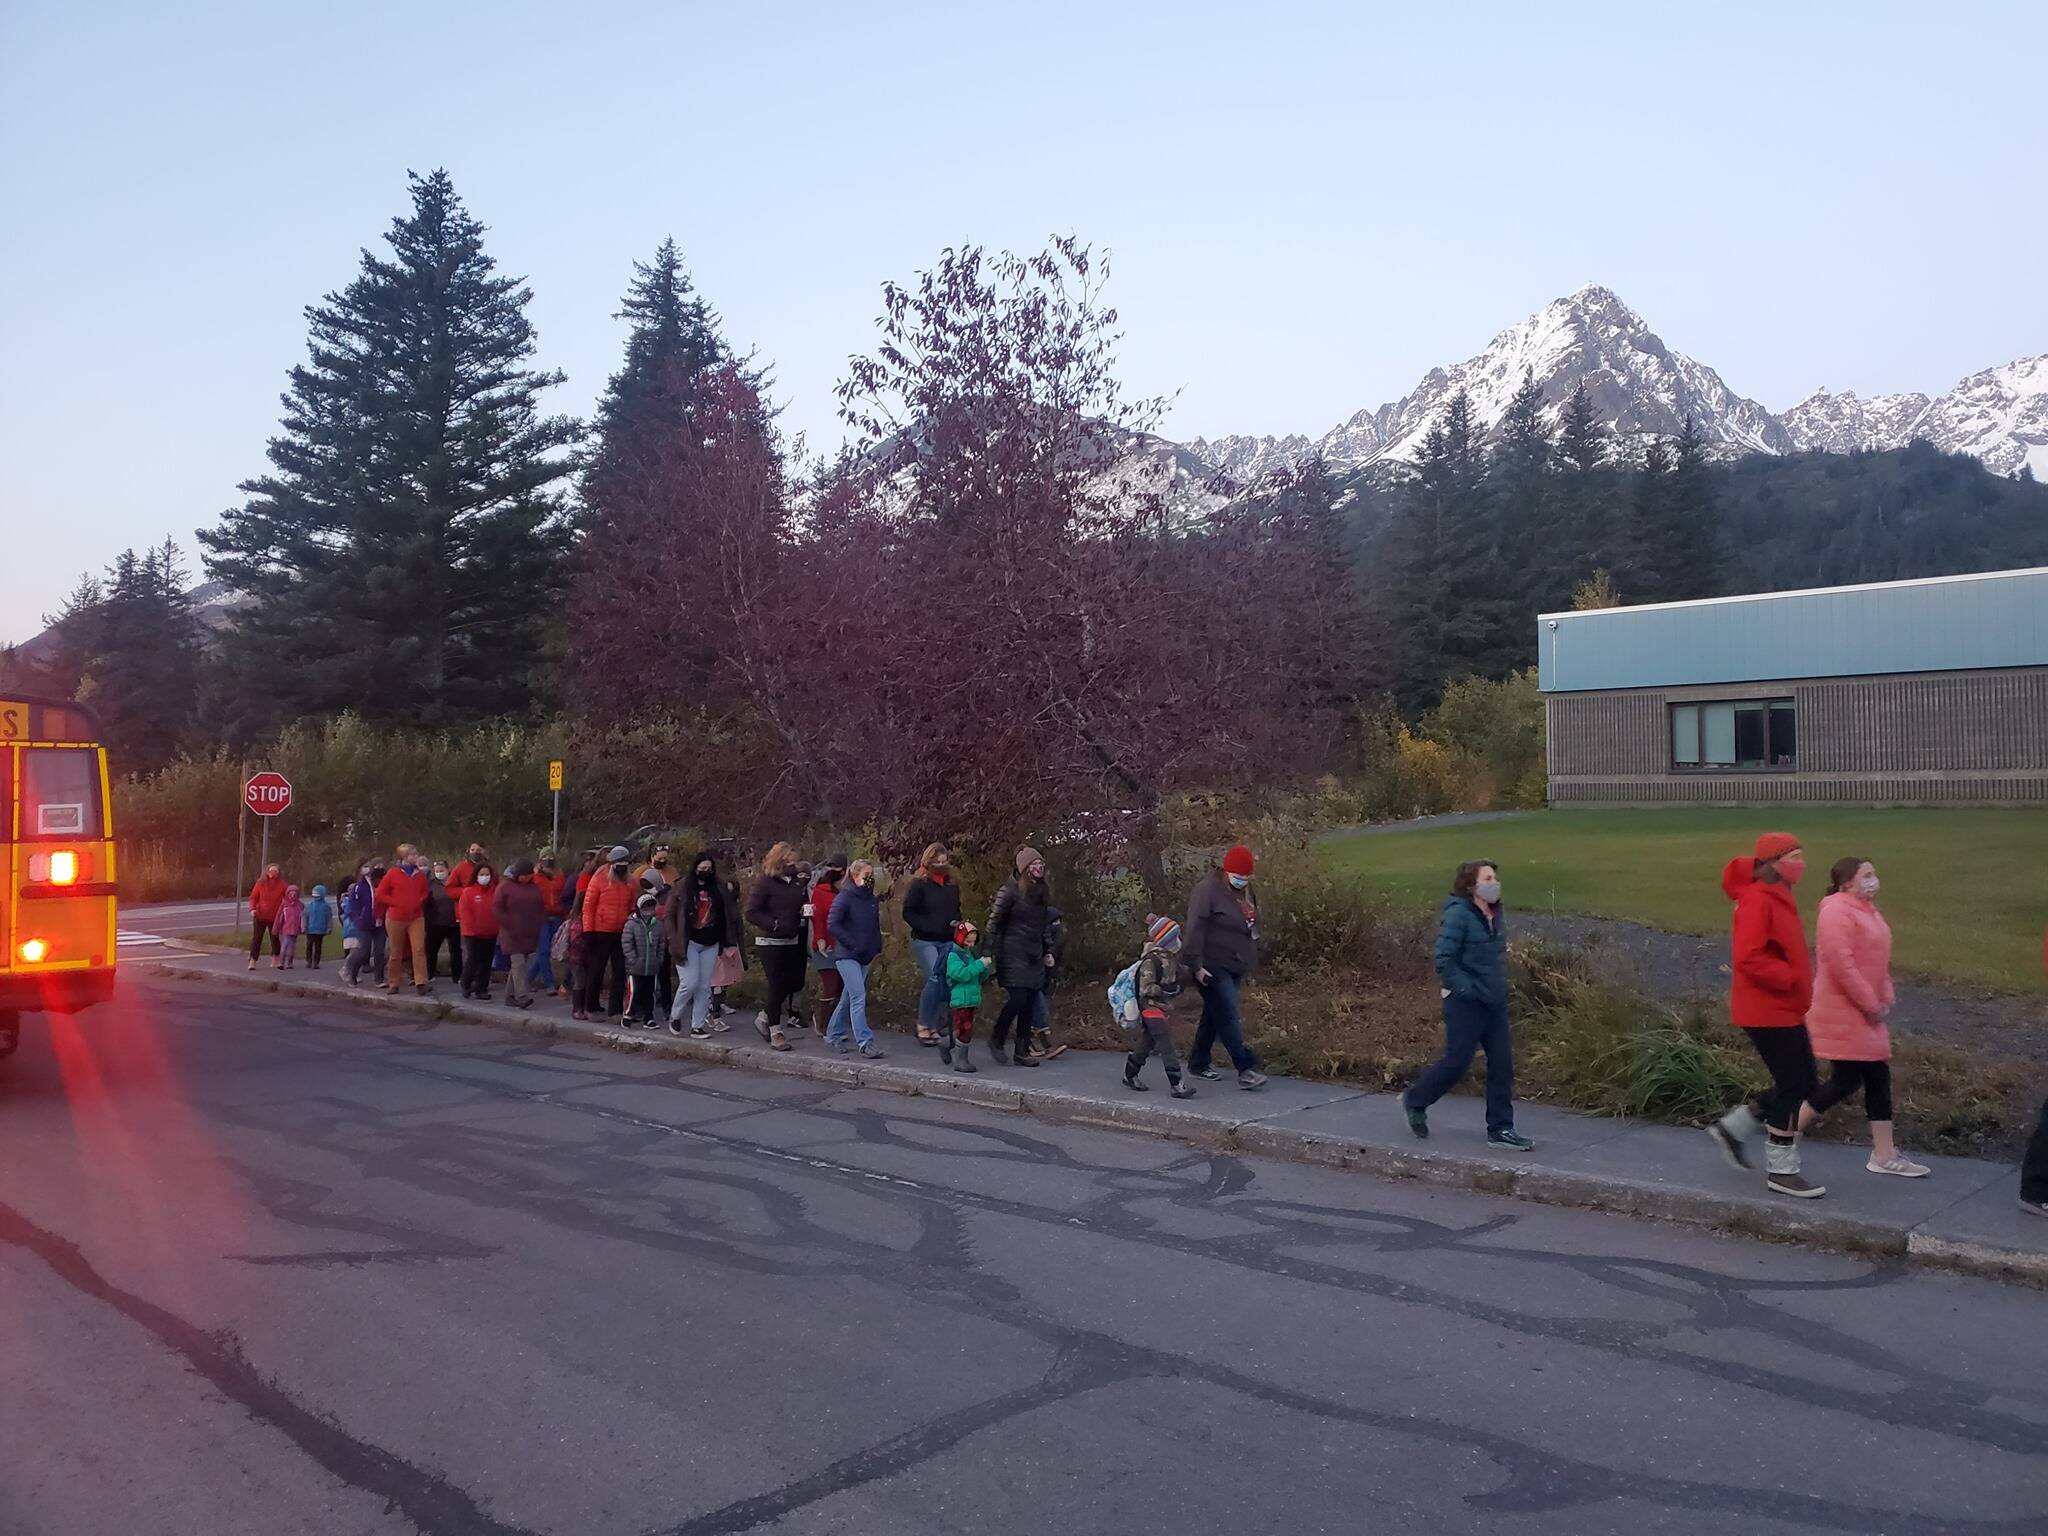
265	897
476	915
608	898
818	912
552	883
402	905
1771	990
464	874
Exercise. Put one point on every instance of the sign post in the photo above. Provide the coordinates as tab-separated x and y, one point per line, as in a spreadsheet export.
241	852
555	785
268	794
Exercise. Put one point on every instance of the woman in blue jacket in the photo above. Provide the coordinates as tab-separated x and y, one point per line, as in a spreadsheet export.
1472	965
855	924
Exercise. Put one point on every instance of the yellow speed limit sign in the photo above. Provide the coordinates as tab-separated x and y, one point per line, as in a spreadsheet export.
554	773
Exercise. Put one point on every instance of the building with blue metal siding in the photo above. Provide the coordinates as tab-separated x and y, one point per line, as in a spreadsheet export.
1901	692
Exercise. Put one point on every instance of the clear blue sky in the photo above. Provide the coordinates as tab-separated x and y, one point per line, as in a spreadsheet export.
1308	205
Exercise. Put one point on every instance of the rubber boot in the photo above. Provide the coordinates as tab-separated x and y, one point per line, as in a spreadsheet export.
960	1055
1781	1156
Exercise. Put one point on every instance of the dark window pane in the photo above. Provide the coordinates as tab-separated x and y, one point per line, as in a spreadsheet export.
60	792
1784	735
1752	735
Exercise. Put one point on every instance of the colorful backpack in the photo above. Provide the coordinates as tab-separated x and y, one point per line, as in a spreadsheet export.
1123	994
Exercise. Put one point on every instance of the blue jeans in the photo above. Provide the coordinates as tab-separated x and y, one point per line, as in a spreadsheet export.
1471	1026
931	965
1222	1022
693	987
853	1004
541	971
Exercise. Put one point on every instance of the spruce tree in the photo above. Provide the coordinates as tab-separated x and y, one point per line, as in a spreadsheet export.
1428	578
402	558
672	340
1581	437
1646	545
1692	565
129	645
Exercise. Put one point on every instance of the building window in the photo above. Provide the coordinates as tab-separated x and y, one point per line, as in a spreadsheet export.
1738	733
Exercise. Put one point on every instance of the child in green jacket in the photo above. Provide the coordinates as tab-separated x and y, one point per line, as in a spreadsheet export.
964	973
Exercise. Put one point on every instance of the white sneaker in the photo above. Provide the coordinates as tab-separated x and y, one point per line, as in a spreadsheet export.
1899	1167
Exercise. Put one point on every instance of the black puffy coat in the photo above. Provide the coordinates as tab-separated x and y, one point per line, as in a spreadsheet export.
1017	933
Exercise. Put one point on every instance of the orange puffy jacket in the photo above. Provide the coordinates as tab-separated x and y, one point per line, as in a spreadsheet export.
608	902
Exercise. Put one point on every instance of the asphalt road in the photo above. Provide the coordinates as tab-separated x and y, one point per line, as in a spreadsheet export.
269	1265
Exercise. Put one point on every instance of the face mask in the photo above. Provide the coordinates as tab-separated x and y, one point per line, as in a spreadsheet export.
1791	870
1239	882
619	871
1487	891
483	879
1868	886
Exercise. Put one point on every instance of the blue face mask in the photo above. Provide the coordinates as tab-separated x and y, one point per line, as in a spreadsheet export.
1239	882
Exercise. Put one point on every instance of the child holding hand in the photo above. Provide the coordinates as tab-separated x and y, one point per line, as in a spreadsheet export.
965	972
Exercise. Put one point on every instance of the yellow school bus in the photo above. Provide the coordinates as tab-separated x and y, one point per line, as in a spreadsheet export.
57	902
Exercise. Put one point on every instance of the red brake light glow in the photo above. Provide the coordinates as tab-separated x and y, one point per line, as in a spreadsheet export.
33	950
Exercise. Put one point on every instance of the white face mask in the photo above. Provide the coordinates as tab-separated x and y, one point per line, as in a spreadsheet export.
1487	891
483	879
1868	886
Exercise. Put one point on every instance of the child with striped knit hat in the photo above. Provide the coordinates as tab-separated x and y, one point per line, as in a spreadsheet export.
1140	997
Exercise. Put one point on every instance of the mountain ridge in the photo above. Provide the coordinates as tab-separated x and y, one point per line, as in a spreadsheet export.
1643	388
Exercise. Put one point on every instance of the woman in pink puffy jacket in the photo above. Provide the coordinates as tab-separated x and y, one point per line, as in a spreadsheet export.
1852	997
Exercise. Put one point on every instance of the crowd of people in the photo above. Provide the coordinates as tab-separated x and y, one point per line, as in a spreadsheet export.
640	945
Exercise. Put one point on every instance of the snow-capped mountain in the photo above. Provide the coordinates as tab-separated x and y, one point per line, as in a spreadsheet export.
1999	415
1642	388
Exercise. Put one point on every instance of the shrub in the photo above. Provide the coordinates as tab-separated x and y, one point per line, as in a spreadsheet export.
1497	728
1596	1044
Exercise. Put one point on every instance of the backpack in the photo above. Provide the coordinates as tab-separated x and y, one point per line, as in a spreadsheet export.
1123	994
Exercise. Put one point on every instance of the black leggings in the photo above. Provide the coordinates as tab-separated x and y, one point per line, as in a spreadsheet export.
1873	1077
1788	1056
315	942
258	927
1020	1005
783	967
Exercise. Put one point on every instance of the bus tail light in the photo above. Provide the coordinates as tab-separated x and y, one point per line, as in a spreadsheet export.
65	866
33	950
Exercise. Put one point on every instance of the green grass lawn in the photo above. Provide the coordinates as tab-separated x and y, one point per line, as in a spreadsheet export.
1965	891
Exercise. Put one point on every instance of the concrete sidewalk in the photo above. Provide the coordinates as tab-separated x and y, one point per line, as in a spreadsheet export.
1965	1216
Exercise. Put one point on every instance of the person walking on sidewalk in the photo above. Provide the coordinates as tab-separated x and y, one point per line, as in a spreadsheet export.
608	898
289	923
549	881
931	906
856	926
1770	990
644	943
701	923
521	909
1472	969
402	905
1220	948
1852	998
1017	934
824	959
319	923
965	972
265	897
775	906
1141	1000
476	914
444	923
359	922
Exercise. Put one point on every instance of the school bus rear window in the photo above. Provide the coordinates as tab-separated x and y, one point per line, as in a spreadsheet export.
60	792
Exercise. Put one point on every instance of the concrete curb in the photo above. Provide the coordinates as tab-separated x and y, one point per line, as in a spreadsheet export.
1802	1224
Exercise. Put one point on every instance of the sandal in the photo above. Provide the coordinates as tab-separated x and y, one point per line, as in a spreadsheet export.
927	1036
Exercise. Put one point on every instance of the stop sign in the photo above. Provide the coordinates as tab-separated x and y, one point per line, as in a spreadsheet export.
268	793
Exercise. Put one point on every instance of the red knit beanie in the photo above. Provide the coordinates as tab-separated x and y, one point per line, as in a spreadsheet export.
1238	861
1774	845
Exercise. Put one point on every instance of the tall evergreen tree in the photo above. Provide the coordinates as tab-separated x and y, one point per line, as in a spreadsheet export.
1692	565
1646	545
1429	573
401	557
129	645
673	339
1581	437
1534	544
